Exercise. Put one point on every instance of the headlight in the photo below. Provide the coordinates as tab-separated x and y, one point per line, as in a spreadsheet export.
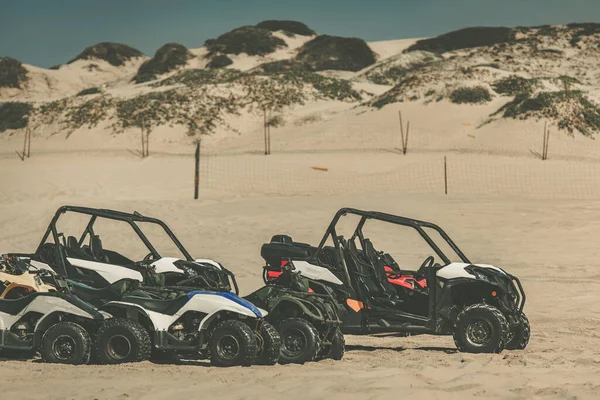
483	274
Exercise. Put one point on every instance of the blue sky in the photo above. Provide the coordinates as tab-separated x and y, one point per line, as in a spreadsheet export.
48	32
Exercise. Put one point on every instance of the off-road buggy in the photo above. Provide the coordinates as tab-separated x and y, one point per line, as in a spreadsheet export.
85	260
479	304
56	323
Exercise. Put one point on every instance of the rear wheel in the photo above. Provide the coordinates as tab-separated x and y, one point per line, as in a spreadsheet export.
232	343
521	336
481	328
66	343
300	341
269	346
121	340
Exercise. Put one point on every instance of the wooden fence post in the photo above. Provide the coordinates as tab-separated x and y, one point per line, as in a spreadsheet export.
445	176
265	129
197	172
28	142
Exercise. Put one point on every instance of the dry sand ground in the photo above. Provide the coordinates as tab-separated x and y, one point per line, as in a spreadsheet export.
551	245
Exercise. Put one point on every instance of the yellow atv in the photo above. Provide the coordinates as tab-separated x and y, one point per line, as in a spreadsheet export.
17	280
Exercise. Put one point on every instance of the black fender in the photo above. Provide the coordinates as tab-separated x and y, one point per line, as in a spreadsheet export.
459	293
301	307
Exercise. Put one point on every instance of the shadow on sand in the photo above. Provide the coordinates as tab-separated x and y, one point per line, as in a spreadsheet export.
359	347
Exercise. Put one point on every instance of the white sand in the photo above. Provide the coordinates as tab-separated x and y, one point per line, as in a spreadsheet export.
550	244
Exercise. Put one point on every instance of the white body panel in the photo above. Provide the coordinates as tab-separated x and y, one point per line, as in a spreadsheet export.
110	272
165	264
457	270
315	272
40	265
113	273
207	261
44	305
209	303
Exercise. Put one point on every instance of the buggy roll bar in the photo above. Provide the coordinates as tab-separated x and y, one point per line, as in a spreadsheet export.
394	219
114	215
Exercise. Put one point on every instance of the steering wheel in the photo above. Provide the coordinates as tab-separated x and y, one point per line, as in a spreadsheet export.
428	263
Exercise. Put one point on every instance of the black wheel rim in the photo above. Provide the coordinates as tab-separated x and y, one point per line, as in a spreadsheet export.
294	343
64	347
118	347
228	347
479	332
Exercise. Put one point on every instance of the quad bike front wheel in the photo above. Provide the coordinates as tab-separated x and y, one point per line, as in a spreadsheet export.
338	345
232	343
336	349
121	340
300	341
270	345
481	328
66	343
521	335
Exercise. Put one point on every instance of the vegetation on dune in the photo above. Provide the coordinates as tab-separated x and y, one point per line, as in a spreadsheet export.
14	115
513	85
572	110
289	27
471	95
289	71
389	76
282	67
199	109
114	53
220	61
89	113
246	39
12	73
337	53
88	91
567	81
198	77
271	93
583	30
166	59
465	39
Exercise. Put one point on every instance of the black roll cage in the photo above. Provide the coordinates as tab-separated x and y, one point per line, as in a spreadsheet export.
390	218
131	219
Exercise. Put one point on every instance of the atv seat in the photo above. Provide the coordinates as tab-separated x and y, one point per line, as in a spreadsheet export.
366	279
97	250
168	307
13	307
97	297
282	246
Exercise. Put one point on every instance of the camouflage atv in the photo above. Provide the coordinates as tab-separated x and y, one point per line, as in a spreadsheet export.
308	323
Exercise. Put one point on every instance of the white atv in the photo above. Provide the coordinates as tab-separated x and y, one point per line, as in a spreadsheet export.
199	324
56	323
